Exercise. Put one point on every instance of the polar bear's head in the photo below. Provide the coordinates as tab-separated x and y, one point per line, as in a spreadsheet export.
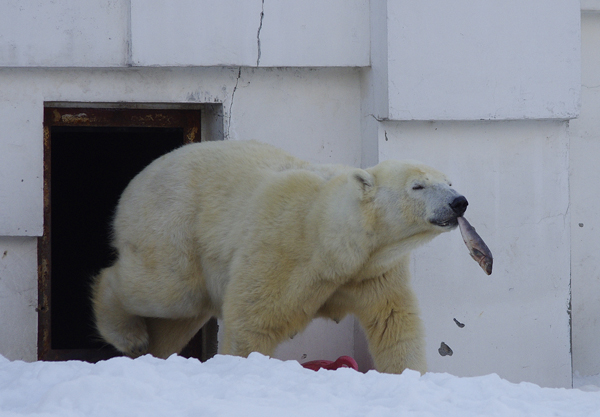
412	198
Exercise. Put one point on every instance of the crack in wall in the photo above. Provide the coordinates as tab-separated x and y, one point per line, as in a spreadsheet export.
262	15
237	80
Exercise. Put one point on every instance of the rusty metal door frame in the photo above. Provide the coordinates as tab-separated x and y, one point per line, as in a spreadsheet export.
203	345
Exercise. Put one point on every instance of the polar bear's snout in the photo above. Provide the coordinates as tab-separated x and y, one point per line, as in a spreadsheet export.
445	215
459	205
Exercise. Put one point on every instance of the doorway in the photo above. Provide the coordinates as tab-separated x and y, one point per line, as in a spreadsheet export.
90	156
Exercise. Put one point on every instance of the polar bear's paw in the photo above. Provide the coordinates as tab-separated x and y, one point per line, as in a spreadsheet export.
130	337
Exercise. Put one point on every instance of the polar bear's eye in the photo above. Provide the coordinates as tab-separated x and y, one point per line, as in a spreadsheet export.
417	187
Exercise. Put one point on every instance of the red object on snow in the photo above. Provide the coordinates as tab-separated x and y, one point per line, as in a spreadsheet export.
341	362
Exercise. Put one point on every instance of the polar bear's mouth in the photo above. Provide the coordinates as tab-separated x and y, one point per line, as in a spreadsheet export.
451	222
446	216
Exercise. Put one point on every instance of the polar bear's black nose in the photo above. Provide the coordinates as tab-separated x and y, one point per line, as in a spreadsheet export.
459	205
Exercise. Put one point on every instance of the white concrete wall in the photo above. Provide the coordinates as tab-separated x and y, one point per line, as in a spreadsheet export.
18	297
472	60
315	114
21	167
315	33
585	195
323	339
450	69
590	5
515	176
64	33
189	32
251	33
117	33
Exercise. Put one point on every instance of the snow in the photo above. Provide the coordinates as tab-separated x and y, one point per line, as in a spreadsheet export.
262	387
586	383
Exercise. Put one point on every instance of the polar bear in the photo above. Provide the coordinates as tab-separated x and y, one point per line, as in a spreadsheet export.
245	232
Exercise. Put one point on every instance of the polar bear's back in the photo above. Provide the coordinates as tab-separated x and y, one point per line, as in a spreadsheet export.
190	196
209	176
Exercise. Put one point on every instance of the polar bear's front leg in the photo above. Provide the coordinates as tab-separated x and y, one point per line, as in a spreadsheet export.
396	341
259	324
244	342
259	314
388	311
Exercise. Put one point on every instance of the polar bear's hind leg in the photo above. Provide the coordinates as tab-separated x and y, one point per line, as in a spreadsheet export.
125	331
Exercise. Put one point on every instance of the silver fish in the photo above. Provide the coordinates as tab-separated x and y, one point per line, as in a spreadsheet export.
477	247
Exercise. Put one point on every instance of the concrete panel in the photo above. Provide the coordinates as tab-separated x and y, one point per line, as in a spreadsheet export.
318	33
65	33
313	114
472	60
590	5
21	162
374	84
585	197
515	176
192	32
18	298
250	33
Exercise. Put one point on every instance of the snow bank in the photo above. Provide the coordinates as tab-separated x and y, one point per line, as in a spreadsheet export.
264	387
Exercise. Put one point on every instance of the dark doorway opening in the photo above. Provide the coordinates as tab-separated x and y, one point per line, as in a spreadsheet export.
90	169
90	157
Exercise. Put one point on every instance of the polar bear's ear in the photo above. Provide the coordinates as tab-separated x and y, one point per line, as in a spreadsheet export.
364	180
